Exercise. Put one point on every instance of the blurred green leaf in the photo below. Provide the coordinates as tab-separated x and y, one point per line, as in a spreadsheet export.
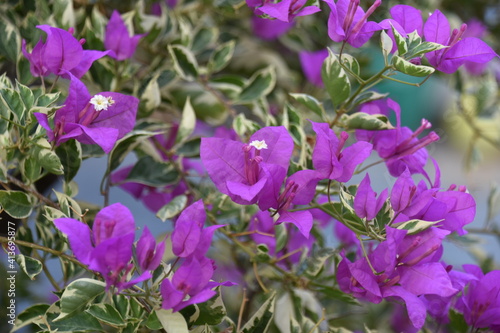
70	155
259	85
174	207
150	172
172	322
16	203
309	102
187	124
221	56
31	315
334	77
361	120
262	318
10	40
400	42
415	226
185	63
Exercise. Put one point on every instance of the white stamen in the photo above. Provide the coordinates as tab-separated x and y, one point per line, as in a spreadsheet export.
101	103
259	145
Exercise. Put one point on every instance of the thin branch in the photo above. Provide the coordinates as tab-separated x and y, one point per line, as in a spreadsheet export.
32	191
242	308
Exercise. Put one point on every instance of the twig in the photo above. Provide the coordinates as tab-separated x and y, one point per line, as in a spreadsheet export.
242	308
323	317
257	277
33	191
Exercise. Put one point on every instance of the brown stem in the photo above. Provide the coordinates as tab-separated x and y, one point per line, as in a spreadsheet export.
32	191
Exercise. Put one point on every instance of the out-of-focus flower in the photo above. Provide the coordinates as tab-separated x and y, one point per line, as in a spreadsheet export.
269	29
61	54
284	10
311	63
117	39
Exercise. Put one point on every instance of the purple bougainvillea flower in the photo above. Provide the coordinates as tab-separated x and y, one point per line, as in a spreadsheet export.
366	203
480	302
191	279
348	22
400	147
406	267
311	63
246	171
189	238
117	39
101	119
331	160
61	54
269	29
284	10
477	29
106	249
149	254
459	51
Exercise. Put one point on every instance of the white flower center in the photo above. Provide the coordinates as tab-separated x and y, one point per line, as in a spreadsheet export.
101	103
259	145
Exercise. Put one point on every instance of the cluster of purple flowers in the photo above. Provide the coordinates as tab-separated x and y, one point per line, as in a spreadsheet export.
100	119
348	23
108	250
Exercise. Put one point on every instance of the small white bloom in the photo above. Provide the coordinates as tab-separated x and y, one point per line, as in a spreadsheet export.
101	103
259	145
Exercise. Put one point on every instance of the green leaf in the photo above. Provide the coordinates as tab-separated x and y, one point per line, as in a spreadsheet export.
185	63
26	95
68	205
386	45
47	158
368	97
211	312
309	102
203	38
315	263
76	323
10	40
150	172
400	42
414	40
16	203
242	126
47	100
188	122
351	62
174	207
415	226
172	322
106	314
457	322
336	294
334	77
31	315
125	145
31	168
221	56
78	294
259	85
31	266
12	100
70	155
407	67
423	48
361	120
153	323
262	318
281	236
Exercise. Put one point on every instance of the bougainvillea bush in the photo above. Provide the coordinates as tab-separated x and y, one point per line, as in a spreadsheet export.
290	192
